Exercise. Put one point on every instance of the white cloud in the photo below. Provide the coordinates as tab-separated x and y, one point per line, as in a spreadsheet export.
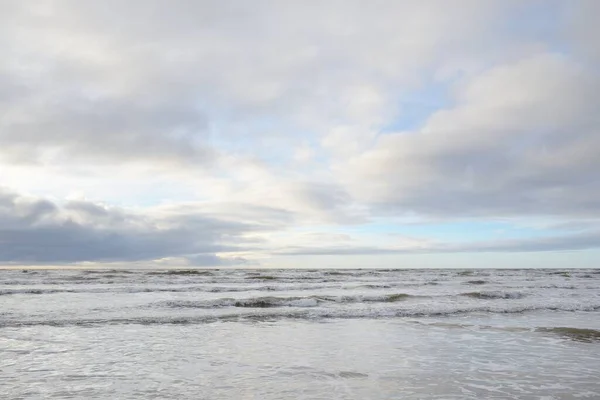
522	139
142	80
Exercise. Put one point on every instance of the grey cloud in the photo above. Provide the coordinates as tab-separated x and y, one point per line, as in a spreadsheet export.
141	80
209	260
522	140
579	241
37	231
583	29
258	215
341	250
89	131
326	202
572	242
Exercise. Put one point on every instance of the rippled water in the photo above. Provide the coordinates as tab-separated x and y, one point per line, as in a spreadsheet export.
298	334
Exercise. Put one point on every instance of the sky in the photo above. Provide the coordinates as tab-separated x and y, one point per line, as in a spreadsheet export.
331	133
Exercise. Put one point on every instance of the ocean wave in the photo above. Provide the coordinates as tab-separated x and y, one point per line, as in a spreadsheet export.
7	292
187	272
259	285
494	295
259	302
272	302
271	315
268	277
577	334
107	271
184	289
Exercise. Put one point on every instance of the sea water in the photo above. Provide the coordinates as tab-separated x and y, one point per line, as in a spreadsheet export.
300	334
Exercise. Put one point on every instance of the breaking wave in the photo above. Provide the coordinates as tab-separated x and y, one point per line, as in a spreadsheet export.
199	296
576	334
495	295
312	314
271	302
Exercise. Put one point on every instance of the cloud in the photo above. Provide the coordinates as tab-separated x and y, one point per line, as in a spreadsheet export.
79	130
571	242
523	139
39	231
36	231
147	81
578	241
223	128
203	260
583	29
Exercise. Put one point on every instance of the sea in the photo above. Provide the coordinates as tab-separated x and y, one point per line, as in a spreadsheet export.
300	334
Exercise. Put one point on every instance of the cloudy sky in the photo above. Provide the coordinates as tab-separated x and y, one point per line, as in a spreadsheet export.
331	133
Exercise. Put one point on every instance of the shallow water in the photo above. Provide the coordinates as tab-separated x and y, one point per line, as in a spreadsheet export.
298	334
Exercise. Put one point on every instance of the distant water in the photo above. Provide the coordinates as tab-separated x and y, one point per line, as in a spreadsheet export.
300	334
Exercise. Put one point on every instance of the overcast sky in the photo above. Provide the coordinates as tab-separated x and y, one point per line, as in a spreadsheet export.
183	133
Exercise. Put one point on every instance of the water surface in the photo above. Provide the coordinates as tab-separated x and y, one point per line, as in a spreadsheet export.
299	334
